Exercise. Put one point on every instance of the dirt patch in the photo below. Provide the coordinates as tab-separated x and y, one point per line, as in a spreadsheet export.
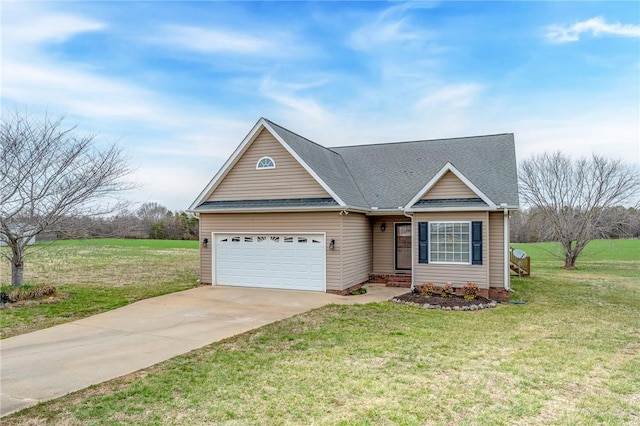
453	303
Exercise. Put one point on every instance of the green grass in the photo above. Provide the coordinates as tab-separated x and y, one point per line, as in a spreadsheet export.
570	355
114	242
99	275
596	251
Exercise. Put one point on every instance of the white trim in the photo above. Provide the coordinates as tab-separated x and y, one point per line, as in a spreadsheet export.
309	170
291	233
384	212
434	180
450	209
507	269
470	244
277	209
413	250
226	167
266	157
395	247
231	161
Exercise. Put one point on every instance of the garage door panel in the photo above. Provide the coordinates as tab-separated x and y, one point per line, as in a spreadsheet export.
289	261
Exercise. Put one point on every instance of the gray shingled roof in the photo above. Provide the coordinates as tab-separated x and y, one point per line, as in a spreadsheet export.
327	164
389	175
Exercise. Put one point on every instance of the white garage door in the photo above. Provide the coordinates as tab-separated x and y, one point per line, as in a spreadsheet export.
287	261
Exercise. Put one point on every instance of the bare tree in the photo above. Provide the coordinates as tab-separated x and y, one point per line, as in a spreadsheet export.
49	175
571	196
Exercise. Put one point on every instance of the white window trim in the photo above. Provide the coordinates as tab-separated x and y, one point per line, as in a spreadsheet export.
265	167
470	243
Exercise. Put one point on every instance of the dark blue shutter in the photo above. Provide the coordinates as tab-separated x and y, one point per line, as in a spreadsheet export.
476	243
423	242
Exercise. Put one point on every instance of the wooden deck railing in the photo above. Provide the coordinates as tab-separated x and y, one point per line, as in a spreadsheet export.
520	266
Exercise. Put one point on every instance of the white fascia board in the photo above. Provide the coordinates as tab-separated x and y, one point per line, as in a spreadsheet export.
450	209
274	209
226	167
309	170
385	212
450	168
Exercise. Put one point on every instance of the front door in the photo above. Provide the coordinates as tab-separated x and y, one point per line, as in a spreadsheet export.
403	246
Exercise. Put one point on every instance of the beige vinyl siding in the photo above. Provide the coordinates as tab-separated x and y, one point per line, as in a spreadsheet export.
356	249
384	244
449	186
457	275
328	222
288	180
496	249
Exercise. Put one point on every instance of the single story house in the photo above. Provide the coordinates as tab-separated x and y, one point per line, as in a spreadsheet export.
285	212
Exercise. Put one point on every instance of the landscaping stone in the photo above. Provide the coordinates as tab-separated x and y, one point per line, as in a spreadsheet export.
453	303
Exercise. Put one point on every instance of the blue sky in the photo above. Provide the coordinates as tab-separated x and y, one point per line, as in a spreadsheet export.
180	84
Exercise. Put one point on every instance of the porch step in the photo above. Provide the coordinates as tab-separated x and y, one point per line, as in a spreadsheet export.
392	280
403	284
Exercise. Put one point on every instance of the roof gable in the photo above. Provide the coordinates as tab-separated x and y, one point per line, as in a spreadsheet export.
449	168
392	176
283	178
449	186
226	168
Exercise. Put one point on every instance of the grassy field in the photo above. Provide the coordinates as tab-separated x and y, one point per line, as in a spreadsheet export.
99	275
569	355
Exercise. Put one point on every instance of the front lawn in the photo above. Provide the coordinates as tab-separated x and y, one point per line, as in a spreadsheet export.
98	275
569	355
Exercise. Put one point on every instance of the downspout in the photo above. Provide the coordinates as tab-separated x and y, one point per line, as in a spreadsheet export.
507	274
413	258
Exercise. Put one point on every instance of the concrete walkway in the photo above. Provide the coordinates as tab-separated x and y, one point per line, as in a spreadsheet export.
50	363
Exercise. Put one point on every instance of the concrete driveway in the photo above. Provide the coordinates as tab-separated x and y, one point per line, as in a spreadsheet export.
49	363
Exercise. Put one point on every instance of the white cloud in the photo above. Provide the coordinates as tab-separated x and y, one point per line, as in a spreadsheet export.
613	133
390	27
174	186
76	91
596	26
177	144
285	94
206	40
452	96
24	25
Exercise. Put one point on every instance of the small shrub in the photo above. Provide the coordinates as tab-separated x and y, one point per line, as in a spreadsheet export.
48	290
16	295
470	291
28	293
428	289
33	293
446	290
361	290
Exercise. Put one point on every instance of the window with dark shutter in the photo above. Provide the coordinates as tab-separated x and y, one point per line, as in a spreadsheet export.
476	243
423	242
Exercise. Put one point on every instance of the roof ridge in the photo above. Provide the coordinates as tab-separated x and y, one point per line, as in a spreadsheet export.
299	135
420	140
355	181
329	150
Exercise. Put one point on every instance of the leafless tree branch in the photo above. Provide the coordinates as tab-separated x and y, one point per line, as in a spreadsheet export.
572	196
49	174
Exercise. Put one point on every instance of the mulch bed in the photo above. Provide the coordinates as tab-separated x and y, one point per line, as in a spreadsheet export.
453	303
